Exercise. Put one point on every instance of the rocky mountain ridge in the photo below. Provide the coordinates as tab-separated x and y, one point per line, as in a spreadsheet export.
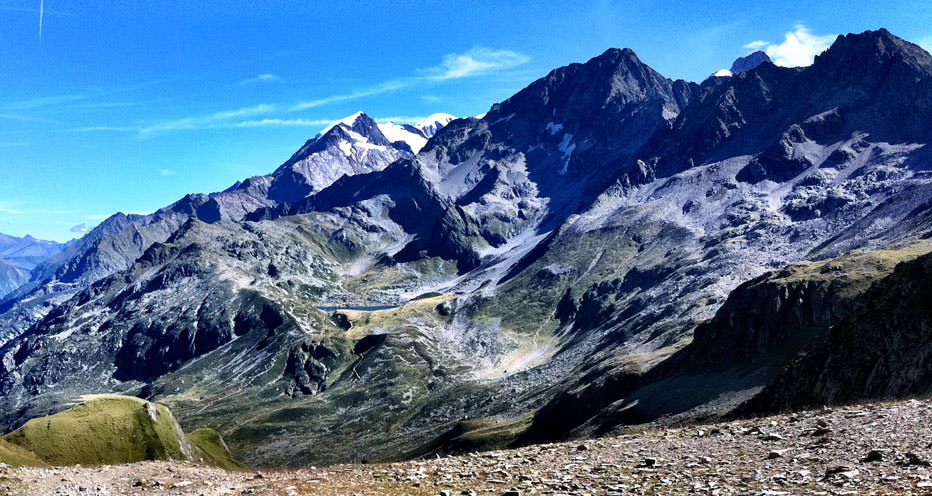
541	271
350	146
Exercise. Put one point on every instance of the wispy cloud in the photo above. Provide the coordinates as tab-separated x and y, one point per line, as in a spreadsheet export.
8	208
476	61
261	78
80	228
275	122
104	105
383	87
215	119
799	47
32	10
89	129
166	172
25	208
22	117
44	101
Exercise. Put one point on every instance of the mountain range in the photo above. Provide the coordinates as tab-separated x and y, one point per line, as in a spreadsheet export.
607	247
18	256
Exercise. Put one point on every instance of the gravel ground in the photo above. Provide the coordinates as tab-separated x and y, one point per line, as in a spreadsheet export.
883	448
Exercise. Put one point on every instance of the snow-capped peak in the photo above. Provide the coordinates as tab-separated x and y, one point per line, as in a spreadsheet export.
346	121
433	123
415	136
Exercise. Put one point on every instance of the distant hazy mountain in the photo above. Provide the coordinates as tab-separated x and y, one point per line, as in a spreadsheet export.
10	277
26	252
18	256
606	247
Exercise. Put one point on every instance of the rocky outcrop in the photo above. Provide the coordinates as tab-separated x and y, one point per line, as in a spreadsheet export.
880	350
762	327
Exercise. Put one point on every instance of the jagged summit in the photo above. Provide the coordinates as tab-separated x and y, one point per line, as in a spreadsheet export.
748	62
743	64
860	51
348	121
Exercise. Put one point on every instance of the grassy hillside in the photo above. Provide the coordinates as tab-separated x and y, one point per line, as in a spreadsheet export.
209	446
18	456
111	429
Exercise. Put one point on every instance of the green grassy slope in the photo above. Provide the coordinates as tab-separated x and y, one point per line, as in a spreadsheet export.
18	456
209	446
111	429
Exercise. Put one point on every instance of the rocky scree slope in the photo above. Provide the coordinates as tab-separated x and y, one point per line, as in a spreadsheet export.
576	236
858	449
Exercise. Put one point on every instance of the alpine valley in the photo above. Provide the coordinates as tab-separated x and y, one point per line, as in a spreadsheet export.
605	248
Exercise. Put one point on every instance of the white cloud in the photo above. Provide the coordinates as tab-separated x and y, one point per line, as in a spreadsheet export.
166	172
45	101
473	62
383	87
273	122
89	129
476	61
213	120
7	210
756	45
261	78
798	48
80	228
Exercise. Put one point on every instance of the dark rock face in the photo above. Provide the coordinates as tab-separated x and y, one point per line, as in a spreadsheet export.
308	367
369	343
341	320
880	350
875	83
764	317
762	327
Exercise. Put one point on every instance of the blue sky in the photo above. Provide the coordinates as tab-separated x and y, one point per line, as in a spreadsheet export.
127	105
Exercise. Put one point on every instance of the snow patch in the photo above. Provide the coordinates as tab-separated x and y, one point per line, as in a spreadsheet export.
395	132
346	147
566	148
